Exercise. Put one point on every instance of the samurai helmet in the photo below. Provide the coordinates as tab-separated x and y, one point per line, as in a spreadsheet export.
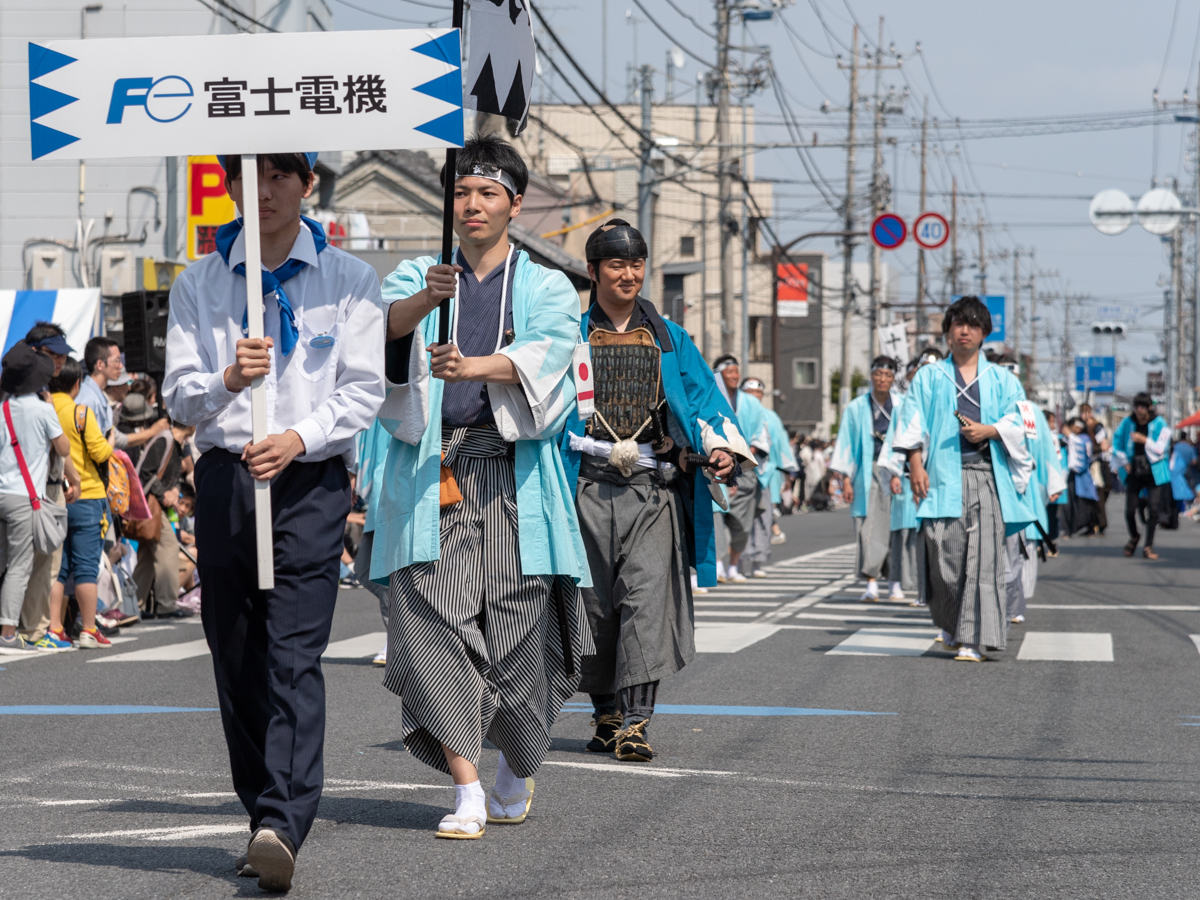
616	239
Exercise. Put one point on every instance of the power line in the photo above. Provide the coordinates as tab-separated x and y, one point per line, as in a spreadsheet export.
379	15
671	37
704	31
249	18
1170	40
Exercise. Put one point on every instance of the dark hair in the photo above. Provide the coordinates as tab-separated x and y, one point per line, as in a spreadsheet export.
71	374
1074	420
284	162
42	330
968	311
96	350
493	151
144	385
186	490
1142	399
728	357
883	362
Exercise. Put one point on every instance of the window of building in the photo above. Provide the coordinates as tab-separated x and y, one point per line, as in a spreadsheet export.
804	373
687	246
760	338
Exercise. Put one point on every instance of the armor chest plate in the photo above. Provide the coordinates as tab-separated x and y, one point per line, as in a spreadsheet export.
627	374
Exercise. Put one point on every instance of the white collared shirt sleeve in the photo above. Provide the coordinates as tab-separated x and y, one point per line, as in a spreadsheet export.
1156	450
194	387
359	388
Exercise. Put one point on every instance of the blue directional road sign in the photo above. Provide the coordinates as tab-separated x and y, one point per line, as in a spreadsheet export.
995	305
888	231
1097	373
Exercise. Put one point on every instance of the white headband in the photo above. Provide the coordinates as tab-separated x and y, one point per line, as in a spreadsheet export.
491	173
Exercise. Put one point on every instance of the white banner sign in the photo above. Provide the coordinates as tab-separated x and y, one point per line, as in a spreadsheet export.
245	93
503	59
893	342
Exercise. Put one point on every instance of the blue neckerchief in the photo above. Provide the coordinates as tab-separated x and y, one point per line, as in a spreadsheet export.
272	282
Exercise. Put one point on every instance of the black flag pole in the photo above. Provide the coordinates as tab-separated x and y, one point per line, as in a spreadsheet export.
448	204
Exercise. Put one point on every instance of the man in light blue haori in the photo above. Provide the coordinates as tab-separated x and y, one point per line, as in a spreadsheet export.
476	528
962	429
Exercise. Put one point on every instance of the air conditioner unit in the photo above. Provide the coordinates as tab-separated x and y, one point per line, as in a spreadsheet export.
46	269
116	272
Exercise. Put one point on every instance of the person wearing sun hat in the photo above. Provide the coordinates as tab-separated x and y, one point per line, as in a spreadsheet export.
321	361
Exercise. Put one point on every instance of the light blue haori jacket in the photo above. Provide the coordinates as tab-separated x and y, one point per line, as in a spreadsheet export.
1049	474
702	412
854	452
370	453
1181	457
928	421
782	458
1158	445
904	507
546	326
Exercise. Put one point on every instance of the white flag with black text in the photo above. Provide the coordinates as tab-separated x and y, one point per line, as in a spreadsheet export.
502	59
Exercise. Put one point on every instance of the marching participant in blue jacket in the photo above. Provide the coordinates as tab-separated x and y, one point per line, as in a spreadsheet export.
1141	449
861	436
907	560
735	526
634	464
971	470
1050	479
772	465
476	527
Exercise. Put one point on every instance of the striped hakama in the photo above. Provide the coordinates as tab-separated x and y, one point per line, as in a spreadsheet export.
640	605
873	532
1014	575
966	563
474	646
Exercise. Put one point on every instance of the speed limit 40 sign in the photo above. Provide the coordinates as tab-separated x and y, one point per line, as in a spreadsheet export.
931	230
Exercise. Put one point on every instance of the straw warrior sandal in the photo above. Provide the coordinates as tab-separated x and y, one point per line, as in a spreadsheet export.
632	745
605	738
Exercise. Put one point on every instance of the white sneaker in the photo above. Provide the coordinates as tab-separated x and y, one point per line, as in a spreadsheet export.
1018	620
871	594
897	592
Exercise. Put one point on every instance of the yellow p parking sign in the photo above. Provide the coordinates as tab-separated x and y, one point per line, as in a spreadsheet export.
208	203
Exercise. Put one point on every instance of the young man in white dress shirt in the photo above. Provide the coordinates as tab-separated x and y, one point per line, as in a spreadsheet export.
322	361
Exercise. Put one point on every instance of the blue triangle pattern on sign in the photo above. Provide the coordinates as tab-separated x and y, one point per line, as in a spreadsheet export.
43	100
47	140
43	61
448	87
445	48
448	128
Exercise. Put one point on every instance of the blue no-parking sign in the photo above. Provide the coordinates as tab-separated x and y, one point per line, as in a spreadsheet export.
888	231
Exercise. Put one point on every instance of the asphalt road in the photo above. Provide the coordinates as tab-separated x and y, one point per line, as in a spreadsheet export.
1018	777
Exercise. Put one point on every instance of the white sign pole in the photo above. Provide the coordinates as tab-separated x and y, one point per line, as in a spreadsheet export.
263	533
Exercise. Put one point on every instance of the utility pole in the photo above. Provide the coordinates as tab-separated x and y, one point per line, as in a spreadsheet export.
982	260
646	179
724	174
704	274
744	232
1031	384
604	45
953	234
848	247
921	253
1194	397
1016	329
878	199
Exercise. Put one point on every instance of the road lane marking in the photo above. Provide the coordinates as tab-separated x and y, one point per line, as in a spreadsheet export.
165	653
734	614
1067	646
734	603
678	709
635	770
170	833
886	620
69	710
1195	640
730	637
886	642
1122	606
356	648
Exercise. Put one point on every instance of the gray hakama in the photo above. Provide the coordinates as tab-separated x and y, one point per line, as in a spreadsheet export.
966	563
873	532
474	646
640	605
1029	572
758	548
906	562
743	507
1014	575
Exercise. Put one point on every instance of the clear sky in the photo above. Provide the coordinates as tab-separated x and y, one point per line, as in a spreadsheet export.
1017	60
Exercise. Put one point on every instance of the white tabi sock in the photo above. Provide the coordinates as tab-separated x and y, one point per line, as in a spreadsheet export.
733	571
506	781
508	786
469	800
720	568
896	589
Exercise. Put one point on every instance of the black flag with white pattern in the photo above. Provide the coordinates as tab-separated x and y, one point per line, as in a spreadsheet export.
500	70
